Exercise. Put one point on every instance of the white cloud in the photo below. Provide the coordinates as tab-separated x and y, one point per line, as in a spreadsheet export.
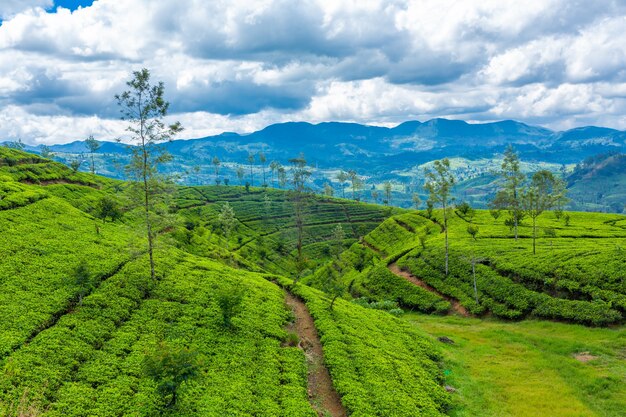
239	65
9	8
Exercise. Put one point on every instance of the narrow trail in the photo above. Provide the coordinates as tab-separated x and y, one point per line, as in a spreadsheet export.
456	306
322	395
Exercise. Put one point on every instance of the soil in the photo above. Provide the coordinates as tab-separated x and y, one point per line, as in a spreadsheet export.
584	357
322	394
456	306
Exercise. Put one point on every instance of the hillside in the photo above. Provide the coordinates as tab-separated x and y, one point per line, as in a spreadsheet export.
600	181
85	324
71	347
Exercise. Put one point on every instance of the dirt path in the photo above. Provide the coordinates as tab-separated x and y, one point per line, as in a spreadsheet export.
322	394
456	306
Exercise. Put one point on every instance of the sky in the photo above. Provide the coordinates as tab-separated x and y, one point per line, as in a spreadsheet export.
241	65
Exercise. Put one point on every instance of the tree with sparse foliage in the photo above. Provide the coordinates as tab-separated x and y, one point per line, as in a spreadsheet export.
75	164
274	170
356	183
509	197
251	164
216	167
543	193
342	177
240	174
93	145
328	190
338	236
334	286
227	221
282	176
45	151
263	160
439	183
416	200
387	188
170	367
299	176
375	196
144	107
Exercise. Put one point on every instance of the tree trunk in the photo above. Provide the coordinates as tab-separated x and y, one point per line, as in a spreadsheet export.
332	303
534	234
445	228
474	274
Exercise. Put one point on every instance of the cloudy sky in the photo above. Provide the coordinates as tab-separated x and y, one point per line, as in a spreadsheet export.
239	65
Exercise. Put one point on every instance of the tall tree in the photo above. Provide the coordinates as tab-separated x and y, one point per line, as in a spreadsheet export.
356	182
226	220
387	188
240	174
544	192
439	182
144	107
509	197
328	190
45	151
263	160
416	200
282	176
216	166
251	163
342	177
93	145
273	170
299	176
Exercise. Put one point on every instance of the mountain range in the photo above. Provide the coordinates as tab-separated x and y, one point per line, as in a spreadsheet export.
377	153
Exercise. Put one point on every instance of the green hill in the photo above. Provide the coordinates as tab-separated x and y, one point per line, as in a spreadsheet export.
86	331
75	348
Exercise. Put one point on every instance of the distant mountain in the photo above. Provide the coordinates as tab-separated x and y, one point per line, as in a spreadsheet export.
598	182
377	153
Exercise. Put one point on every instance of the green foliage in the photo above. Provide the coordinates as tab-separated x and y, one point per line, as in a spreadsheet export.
170	367
230	301
108	208
380	366
473	230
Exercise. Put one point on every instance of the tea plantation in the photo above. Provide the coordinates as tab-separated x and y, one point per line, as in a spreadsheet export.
86	331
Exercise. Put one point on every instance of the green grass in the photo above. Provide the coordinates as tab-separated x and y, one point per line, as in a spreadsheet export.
529	368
